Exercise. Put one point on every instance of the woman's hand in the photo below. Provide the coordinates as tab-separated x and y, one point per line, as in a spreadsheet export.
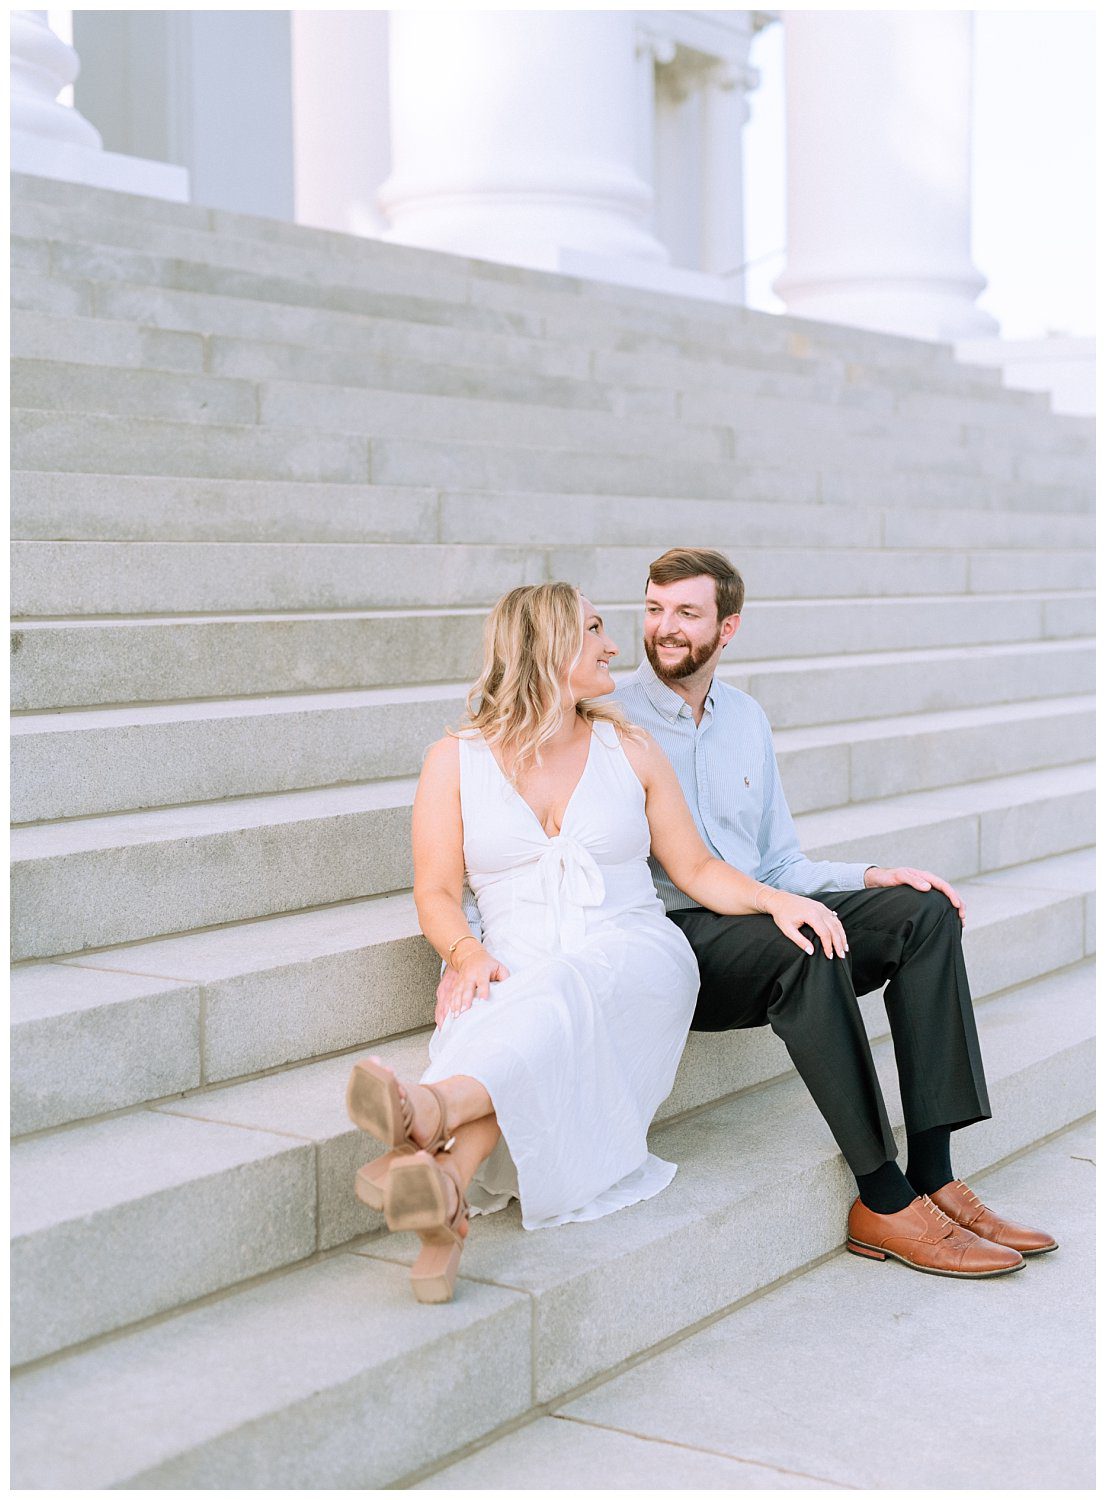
469	981
792	912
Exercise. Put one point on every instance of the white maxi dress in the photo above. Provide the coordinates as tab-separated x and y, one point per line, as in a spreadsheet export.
579	1047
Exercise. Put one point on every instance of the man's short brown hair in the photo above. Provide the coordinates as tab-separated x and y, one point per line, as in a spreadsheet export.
695	562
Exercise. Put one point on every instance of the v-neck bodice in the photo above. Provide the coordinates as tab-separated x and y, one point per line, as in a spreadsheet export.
571	796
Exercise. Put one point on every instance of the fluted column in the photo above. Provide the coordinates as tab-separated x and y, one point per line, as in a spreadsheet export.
49	139
879	172
514	135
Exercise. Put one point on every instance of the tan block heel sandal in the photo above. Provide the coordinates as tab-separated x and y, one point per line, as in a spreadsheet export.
375	1105
416	1198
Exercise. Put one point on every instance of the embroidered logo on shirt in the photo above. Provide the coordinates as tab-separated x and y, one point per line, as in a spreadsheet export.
746	781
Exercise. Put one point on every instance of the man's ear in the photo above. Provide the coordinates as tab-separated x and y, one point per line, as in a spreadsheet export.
729	628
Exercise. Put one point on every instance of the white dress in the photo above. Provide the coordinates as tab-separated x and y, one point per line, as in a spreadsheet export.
580	1045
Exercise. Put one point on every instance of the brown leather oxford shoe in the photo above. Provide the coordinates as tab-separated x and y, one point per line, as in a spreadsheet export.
958	1201
920	1235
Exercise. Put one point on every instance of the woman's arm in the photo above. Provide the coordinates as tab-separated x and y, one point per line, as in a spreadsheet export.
437	845
711	882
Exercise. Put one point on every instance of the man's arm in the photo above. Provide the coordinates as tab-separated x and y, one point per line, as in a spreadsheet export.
784	865
782	862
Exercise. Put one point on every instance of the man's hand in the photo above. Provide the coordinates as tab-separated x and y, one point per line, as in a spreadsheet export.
922	880
459	987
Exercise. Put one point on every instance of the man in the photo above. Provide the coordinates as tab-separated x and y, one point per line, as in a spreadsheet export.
903	927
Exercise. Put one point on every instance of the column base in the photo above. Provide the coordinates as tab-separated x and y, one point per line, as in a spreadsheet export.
910	309
513	216
95	168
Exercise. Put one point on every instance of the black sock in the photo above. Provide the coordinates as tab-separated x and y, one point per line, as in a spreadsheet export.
885	1190
928	1163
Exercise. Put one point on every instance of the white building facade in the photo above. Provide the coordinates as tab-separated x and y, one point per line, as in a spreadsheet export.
606	144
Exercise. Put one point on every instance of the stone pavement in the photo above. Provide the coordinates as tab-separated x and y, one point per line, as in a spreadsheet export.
856	1375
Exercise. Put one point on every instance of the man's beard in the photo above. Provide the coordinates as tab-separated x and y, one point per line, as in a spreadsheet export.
695	658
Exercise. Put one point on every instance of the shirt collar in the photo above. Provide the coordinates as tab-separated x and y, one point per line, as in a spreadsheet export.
664	699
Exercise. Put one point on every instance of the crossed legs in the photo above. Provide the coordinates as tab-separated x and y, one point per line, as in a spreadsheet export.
439	1134
469	1119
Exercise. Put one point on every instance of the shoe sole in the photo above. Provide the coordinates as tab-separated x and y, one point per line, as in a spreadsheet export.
871	1252
372	1103
414	1199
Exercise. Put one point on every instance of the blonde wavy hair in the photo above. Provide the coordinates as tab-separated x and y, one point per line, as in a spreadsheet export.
533	639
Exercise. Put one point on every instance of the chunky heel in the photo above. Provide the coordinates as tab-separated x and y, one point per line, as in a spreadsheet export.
368	1185
435	1271
867	1250
415	1198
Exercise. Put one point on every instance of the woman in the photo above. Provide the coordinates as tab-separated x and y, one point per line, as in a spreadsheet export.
548	801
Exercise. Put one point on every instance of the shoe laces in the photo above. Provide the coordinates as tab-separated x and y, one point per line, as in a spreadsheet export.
964	1188
938	1213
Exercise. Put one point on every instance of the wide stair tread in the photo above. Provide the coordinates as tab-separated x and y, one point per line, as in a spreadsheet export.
103	663
168	233
59	579
49	506
85	762
435	401
344	1326
285	990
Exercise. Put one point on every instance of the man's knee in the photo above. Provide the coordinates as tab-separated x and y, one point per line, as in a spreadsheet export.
927	908
931	914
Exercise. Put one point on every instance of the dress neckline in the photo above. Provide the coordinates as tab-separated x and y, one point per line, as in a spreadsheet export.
549	837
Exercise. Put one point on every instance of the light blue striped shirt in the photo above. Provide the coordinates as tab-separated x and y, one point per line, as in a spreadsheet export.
727	768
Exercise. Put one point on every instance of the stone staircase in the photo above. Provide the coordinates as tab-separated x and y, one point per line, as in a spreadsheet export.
267	481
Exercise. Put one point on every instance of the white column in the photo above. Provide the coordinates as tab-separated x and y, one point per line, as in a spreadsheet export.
41	66
514	136
650	48
725	112
340	117
49	139
879	172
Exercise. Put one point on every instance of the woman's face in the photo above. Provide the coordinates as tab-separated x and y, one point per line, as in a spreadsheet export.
590	677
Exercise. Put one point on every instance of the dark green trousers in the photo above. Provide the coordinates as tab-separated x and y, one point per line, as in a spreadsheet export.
750	974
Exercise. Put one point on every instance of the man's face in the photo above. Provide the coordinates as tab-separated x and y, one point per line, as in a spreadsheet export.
682	628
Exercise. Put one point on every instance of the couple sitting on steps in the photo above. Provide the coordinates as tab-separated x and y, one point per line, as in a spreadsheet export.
561	1025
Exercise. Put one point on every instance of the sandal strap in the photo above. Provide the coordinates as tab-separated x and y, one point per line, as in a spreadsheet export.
442	1140
447	1169
406	1119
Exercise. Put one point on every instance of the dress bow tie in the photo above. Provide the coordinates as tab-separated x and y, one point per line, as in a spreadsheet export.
567	880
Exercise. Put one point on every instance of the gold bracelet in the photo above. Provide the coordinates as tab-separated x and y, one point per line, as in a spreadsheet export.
468	937
763	910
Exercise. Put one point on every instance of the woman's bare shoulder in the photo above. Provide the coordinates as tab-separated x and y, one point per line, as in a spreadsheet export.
643	753
442	761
